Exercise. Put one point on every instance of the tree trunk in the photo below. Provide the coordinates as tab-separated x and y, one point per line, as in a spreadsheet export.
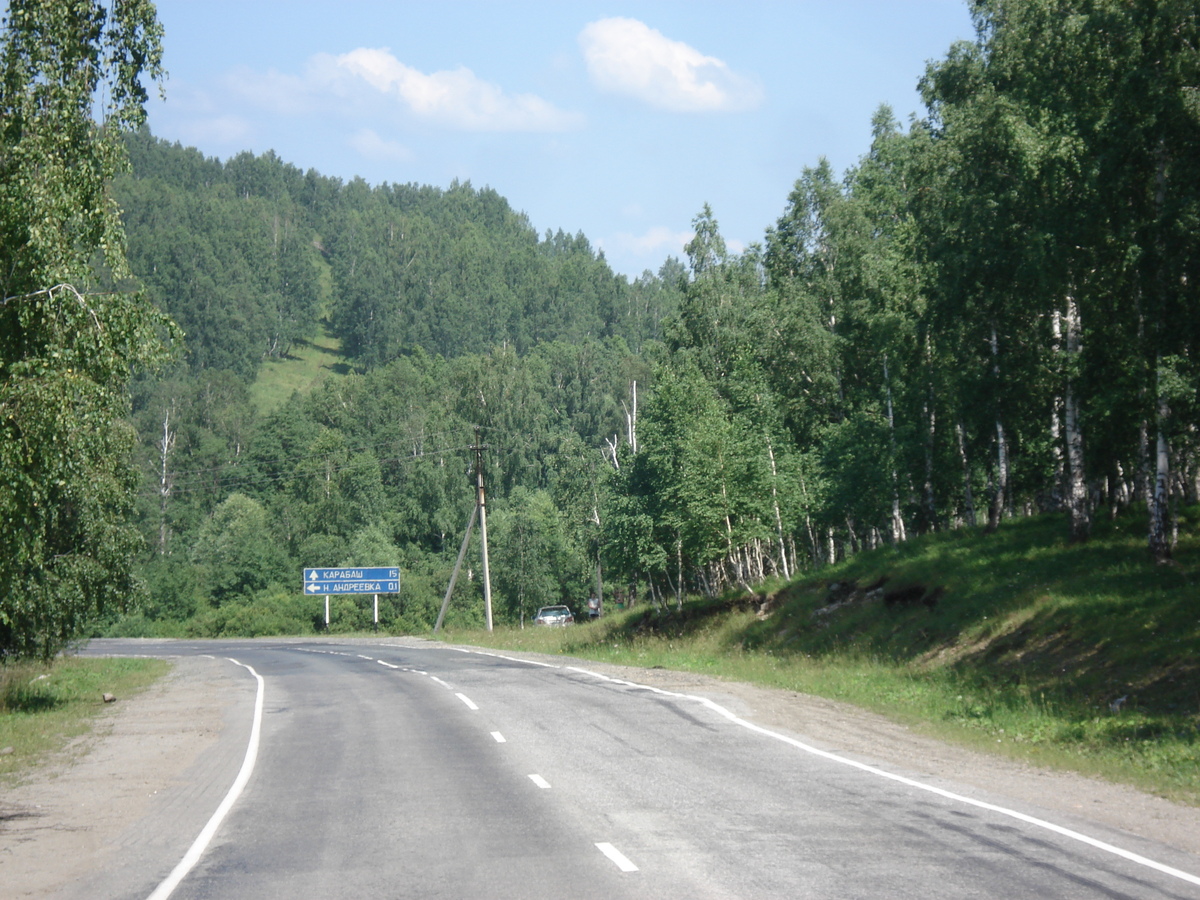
1000	484
166	482
730	552
631	412
1060	488
898	533
812	535
968	494
783	559
1077	495
679	569
1160	543
851	536
931	510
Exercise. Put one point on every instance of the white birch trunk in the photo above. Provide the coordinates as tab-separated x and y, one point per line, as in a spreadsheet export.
1056	445
679	569
783	557
1077	496
1000	497
968	494
1160	544
166	482
898	533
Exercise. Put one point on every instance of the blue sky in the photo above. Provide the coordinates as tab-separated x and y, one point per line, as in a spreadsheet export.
617	119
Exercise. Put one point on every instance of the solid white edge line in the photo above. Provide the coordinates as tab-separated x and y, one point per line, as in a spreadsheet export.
528	662
1128	855
540	782
467	700
202	841
949	795
617	857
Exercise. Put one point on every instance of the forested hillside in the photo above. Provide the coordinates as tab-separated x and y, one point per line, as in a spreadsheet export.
453	314
993	314
250	255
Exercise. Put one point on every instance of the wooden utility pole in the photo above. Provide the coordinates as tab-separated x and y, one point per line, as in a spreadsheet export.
481	502
480	511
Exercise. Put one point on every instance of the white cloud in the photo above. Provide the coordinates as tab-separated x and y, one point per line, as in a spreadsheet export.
454	97
659	241
364	78
625	56
277	91
215	130
372	146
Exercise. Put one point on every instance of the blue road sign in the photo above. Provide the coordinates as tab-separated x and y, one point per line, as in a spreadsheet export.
349	580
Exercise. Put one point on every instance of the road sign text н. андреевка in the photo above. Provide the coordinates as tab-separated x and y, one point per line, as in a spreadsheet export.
351	580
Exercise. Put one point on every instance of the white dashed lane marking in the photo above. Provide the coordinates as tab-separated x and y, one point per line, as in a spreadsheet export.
617	857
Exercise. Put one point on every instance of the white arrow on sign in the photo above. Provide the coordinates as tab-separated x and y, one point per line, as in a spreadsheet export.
313	577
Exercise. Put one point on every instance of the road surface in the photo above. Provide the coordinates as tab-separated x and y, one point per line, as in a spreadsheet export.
410	769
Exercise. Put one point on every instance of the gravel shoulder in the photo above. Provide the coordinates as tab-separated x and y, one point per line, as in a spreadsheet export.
81	818
76	822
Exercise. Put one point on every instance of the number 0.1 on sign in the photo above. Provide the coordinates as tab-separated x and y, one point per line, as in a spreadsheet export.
348	580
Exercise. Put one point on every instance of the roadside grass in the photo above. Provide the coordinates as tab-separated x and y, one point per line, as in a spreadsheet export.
1084	657
44	707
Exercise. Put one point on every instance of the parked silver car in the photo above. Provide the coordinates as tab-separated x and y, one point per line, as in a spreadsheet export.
553	615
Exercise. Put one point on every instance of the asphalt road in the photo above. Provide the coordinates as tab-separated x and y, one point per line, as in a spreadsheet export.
412	770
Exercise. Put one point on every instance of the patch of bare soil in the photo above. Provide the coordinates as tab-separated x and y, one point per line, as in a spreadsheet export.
66	819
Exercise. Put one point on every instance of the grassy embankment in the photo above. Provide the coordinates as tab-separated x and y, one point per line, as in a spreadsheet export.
307	364
1083	657
43	707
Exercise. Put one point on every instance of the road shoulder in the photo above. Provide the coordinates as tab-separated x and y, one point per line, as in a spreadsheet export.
1067	798
115	796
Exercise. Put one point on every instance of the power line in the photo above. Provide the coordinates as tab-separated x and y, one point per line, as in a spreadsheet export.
215	476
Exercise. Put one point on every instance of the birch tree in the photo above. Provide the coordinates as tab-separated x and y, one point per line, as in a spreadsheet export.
70	328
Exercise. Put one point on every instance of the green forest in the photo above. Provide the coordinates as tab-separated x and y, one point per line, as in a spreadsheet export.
994	314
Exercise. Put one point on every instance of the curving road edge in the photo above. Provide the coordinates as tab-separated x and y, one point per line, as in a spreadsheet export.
209	831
